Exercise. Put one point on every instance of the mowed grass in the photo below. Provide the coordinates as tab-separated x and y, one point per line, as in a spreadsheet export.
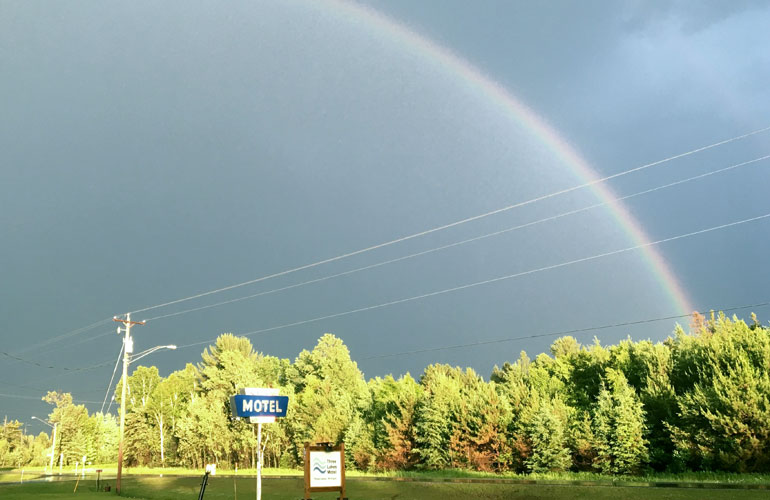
110	470
220	488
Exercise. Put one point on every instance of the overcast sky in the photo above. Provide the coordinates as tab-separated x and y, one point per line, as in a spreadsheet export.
153	151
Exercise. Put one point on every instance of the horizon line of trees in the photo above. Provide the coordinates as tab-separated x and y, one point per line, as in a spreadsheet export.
696	401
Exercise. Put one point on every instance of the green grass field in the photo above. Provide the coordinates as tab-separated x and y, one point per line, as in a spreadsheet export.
718	478
224	487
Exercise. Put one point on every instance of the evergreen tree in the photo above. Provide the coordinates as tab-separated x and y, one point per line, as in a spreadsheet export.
107	435
394	404
547	432
512	382
619	427
435	416
581	440
482	416
329	394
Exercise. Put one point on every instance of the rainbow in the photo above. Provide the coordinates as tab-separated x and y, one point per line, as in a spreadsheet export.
482	85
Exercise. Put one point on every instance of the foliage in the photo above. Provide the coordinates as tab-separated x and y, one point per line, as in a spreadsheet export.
698	401
548	435
619	427
329	394
724	409
394	403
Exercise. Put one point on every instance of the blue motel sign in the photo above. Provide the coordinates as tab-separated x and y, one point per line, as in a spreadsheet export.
258	406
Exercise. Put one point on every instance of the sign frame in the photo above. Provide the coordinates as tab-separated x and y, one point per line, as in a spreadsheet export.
326	447
262	395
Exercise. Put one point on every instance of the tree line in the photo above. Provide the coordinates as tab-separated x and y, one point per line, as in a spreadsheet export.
696	401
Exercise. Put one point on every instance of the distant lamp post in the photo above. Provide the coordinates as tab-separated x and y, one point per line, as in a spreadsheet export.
128	349
53	441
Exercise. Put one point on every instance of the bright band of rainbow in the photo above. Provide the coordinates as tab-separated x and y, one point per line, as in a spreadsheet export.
499	97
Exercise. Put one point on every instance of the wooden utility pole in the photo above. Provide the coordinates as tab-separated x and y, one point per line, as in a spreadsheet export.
128	348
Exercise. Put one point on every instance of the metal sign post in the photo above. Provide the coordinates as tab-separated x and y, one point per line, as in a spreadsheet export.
259	460
259	405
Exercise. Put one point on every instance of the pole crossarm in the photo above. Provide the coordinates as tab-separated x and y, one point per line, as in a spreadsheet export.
128	321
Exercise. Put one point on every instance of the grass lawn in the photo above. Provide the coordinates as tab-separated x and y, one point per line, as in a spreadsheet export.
223	487
14	475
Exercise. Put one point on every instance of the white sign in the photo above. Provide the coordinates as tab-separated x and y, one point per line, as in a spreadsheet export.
261	391
325	469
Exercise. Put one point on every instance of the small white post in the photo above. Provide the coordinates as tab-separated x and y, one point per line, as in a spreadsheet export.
76	467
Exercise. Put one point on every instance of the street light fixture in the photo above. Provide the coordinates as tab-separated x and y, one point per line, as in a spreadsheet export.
150	351
53	441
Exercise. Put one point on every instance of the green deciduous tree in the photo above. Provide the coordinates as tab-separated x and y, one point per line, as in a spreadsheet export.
72	419
724	409
12	444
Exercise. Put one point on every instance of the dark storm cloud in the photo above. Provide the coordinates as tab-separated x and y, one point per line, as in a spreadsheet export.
156	150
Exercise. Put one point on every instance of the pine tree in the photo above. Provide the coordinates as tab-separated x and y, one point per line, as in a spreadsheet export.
393	417
619	427
435	416
547	433
330	392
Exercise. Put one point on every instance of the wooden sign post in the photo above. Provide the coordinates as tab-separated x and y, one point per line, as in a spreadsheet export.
324	469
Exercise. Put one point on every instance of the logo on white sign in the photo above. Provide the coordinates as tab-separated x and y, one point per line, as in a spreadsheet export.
325	469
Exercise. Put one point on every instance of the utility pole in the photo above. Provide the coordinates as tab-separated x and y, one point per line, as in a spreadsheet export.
53	444
128	348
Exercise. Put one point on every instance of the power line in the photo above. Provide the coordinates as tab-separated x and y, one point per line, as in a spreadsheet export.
61	375
109	406
114	370
23	386
64	336
462	242
493	341
559	333
16	396
79	342
453	224
70	371
494	280
98	323
53	367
